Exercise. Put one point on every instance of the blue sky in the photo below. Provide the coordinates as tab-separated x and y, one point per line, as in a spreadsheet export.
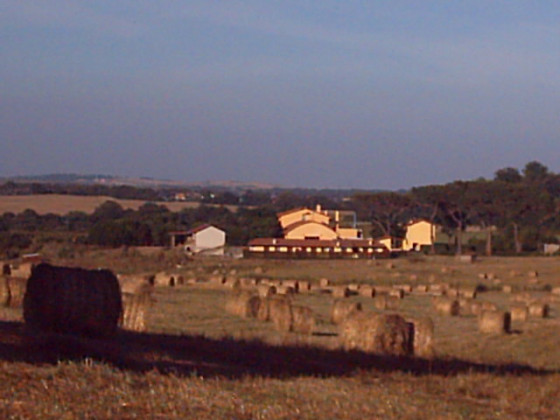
327	94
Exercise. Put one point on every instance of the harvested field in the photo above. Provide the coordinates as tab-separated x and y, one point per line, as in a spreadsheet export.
193	359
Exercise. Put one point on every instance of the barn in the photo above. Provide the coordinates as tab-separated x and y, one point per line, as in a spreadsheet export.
206	239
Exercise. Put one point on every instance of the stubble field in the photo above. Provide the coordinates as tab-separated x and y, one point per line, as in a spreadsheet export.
195	360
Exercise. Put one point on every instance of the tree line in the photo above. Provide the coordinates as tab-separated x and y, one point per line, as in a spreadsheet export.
517	210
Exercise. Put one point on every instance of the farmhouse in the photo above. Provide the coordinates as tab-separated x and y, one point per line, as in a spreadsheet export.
205	239
304	223
317	234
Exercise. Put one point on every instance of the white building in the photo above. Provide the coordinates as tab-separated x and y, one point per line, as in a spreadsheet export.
205	239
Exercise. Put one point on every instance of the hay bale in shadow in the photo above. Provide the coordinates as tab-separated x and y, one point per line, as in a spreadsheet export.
303	320
385	334
304	286
4	291
494	322
244	304
422	336
72	301
342	308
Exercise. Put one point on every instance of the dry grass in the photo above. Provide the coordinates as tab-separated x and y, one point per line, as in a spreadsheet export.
196	360
62	203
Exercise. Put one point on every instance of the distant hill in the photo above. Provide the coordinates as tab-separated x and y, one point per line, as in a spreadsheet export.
112	180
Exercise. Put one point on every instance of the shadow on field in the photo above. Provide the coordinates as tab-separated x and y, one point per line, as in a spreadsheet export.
188	355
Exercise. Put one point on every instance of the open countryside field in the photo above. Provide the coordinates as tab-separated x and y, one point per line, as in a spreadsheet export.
195	360
63	204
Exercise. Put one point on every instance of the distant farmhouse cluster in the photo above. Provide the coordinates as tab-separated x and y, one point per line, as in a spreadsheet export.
315	233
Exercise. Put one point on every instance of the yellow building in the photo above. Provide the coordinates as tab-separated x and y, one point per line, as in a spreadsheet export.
419	233
304	223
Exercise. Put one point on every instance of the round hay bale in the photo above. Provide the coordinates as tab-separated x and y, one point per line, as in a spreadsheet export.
342	308
519	313
413	277
385	334
406	288
217	279
468	292
422	336
482	276
354	287
293	284
244	304
135	307
367	291
447	307
538	310
324	282
265	290
280	313
533	274
451	293
303	320
340	292
72	301
494	322
555	291
258	270
398	293
506	288
162	278
421	289
382	290
304	286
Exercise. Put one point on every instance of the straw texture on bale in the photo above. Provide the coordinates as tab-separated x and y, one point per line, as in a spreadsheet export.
16	289
342	308
280	312
538	310
519	313
243	304
264	308
422	336
135	308
445	306
304	286
380	334
324	282
303	320
164	279
72	301
468	292
494	322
